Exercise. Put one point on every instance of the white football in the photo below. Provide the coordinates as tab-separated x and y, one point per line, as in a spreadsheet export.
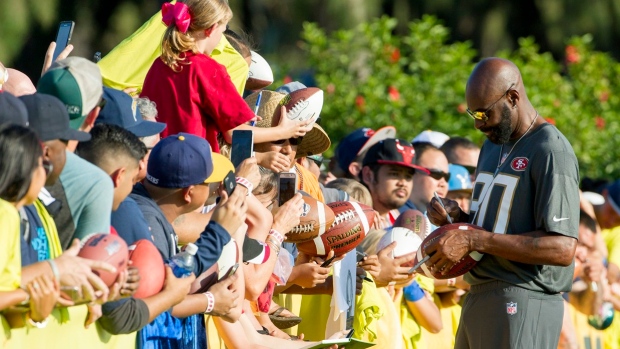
406	241
260	74
228	258
303	104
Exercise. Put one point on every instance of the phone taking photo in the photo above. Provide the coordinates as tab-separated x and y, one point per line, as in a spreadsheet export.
242	146
230	182
63	37
231	271
287	187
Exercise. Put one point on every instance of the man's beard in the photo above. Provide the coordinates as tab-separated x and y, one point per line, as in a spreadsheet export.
501	133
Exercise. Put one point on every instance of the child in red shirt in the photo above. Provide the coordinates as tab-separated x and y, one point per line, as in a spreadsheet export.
193	92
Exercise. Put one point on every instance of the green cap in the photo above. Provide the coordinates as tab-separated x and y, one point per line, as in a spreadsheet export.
77	83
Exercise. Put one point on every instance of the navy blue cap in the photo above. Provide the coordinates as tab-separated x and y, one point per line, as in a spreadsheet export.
359	141
12	110
49	118
613	195
181	160
122	110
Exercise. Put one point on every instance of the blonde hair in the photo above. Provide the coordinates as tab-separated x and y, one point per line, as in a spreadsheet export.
204	14
355	189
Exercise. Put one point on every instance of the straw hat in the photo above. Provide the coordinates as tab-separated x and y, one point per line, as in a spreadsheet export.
316	141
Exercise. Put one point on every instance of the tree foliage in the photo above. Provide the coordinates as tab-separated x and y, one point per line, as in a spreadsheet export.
414	82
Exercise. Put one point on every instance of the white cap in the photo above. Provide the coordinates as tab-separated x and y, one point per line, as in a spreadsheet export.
435	138
191	249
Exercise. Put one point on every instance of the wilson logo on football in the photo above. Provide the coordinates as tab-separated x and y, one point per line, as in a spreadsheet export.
519	164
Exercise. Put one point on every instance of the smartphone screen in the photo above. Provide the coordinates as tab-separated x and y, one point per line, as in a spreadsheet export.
242	146
287	186
65	29
230	182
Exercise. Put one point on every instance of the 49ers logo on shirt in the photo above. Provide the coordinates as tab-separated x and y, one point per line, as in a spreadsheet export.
519	164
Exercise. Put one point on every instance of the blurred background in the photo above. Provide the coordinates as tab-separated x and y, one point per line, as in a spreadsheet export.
399	62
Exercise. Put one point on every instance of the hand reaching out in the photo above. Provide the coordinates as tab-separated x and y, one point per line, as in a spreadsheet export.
44	292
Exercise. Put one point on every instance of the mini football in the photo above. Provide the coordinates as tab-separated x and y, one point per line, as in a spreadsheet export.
228	258
315	219
107	248
406	242
352	222
415	221
303	104
460	268
144	255
260	74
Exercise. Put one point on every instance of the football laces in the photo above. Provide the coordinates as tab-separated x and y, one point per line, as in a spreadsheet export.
303	228
344	216
297	109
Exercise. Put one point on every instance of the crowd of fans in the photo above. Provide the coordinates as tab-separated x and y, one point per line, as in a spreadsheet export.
78	158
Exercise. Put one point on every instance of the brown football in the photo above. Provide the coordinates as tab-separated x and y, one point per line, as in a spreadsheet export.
460	268
106	248
315	219
352	222
415	221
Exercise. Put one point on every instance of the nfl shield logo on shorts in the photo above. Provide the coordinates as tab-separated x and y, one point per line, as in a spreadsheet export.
511	308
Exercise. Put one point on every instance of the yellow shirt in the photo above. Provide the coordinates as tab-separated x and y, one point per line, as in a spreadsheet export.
450	316
10	255
612	241
587	336
127	64
308	183
412	331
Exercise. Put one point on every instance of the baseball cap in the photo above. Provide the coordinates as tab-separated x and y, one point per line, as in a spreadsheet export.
358	141
433	137
12	110
77	82
48	117
392	151
181	160
459	179
613	195
122	110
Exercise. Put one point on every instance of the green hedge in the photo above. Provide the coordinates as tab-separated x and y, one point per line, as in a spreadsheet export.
372	78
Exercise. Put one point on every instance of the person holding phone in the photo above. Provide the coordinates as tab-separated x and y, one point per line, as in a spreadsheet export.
210	102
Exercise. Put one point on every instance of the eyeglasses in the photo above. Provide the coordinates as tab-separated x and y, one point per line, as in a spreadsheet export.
317	159
48	167
292	141
436	174
483	115
470	169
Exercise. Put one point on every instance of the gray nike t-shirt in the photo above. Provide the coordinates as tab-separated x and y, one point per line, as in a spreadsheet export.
535	188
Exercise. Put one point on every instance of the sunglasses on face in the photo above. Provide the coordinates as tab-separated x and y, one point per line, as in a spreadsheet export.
292	141
484	115
436	174
102	103
470	169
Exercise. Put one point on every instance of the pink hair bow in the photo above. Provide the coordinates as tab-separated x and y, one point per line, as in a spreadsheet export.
177	14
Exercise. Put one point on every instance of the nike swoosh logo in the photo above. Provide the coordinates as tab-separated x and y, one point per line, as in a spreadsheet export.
556	219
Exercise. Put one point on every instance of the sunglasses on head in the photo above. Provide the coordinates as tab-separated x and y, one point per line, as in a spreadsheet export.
48	167
436	174
317	159
484	115
292	141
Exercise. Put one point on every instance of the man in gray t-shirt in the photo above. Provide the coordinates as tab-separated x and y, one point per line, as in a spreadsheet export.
526	200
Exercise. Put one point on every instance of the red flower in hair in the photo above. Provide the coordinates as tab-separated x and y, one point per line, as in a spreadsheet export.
177	14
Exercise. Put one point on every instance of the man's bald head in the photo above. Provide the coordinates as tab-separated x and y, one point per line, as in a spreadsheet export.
492	77
19	84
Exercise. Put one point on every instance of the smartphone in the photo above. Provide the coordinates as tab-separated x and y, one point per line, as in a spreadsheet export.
360	256
242	146
230	182
230	271
65	30
287	187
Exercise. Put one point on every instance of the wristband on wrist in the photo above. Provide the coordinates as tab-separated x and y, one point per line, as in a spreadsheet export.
210	302
276	234
246	183
413	292
36	324
52	264
451	282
